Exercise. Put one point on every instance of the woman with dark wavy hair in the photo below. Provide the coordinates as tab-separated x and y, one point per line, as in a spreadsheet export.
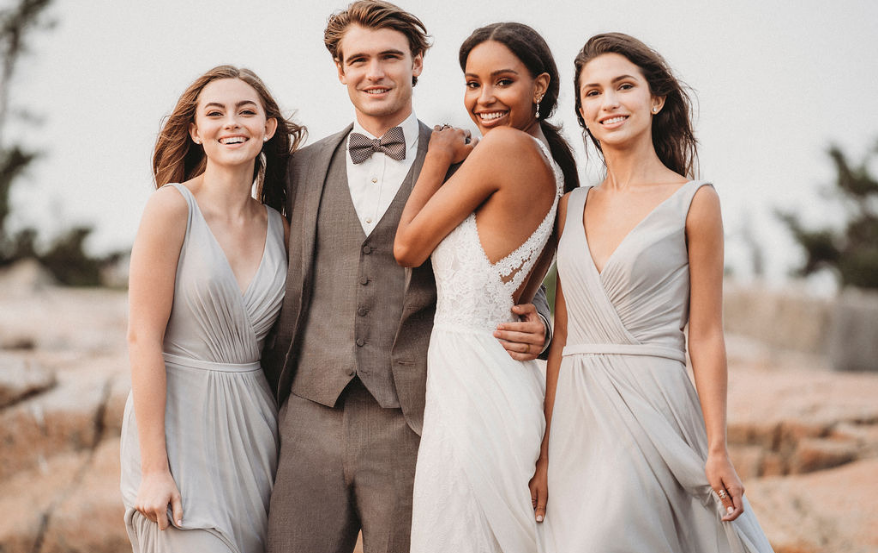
635	457
487	230
208	269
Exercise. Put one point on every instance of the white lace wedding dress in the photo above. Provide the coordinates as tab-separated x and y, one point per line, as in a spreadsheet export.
484	416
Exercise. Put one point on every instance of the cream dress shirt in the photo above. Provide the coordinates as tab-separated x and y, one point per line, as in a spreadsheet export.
375	182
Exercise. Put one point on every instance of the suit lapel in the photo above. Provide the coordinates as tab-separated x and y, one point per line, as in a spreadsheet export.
424	138
319	167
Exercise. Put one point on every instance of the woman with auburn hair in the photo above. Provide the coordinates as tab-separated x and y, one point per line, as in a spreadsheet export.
486	230
634	456
208	269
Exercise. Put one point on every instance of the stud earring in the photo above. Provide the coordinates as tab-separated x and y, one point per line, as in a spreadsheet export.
197	141
654	110
265	139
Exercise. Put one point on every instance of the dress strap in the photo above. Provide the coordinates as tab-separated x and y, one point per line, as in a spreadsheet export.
690	191
191	205
185	192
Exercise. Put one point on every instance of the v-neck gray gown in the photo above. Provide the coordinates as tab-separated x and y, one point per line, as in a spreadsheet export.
628	441
220	415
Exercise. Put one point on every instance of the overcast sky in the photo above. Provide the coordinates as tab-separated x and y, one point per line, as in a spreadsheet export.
776	83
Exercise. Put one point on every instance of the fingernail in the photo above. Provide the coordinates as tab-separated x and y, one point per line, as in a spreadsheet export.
179	521
730	510
540	518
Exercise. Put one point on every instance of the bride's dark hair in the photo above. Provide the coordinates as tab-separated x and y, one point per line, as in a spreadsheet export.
527	45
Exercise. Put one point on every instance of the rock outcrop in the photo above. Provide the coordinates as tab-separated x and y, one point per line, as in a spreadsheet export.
803	437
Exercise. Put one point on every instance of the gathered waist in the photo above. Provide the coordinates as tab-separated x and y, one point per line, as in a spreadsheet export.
203	365
648	350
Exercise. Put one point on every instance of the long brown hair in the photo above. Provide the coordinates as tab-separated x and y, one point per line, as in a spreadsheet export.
671	130
176	158
531	48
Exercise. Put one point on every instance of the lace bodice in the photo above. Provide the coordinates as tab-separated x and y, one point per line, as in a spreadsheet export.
475	293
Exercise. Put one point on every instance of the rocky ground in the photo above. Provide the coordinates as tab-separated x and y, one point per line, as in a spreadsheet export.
804	438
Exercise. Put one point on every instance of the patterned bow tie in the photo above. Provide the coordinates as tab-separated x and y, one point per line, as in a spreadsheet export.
391	144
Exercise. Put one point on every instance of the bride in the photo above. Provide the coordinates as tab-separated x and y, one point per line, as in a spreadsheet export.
486	230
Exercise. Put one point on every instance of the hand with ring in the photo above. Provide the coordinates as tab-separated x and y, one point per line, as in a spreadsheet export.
726	484
451	142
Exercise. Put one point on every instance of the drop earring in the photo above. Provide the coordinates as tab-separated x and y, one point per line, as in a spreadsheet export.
538	108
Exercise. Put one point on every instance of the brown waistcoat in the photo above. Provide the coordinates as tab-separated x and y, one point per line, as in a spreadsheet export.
314	350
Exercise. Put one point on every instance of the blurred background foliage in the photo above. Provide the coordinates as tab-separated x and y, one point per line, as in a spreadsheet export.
850	251
63	255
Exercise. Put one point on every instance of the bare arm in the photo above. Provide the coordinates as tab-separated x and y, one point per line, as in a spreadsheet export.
506	158
428	216
706	341
154	259
538	483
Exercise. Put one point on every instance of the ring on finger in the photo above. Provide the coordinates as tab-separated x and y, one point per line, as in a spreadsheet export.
722	494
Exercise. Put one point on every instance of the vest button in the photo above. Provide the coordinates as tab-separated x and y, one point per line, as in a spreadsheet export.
360	342
362	311
365	281
367	250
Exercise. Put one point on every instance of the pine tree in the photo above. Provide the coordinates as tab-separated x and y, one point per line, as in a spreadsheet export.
850	252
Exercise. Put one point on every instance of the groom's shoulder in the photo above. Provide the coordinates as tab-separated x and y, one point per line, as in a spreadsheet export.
329	141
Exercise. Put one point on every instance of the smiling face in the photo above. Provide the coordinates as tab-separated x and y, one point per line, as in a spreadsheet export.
500	90
378	69
616	100
230	122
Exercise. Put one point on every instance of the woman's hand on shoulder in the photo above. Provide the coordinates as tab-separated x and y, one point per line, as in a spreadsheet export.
725	484
454	144
156	492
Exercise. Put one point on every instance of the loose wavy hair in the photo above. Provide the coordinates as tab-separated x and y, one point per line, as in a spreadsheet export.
531	48
176	158
671	130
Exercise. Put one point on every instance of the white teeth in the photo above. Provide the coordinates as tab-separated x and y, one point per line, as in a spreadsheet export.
377	91
233	140
614	120
492	116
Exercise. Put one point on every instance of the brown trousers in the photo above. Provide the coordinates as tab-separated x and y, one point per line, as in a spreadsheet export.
342	469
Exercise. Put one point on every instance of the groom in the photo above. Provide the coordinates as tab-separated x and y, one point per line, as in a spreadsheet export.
348	355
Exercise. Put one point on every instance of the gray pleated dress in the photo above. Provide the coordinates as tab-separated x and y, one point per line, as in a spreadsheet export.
627	441
220	415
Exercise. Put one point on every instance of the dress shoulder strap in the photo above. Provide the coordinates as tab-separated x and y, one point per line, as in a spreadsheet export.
190	204
689	191
575	209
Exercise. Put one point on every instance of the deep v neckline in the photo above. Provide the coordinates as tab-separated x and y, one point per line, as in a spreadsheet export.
626	236
243	293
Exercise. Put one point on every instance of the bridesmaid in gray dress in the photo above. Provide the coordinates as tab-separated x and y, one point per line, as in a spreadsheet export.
208	268
635	457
